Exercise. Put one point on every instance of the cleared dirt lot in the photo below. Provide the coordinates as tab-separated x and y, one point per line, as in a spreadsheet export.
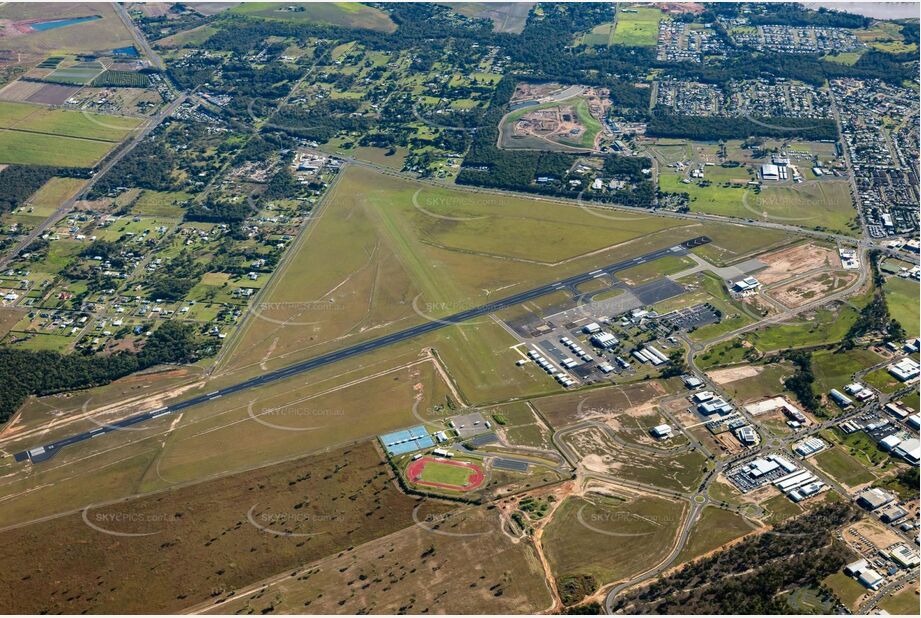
787	262
731	374
813	288
600	404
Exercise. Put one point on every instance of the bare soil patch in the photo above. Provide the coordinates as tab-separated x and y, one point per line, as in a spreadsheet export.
789	261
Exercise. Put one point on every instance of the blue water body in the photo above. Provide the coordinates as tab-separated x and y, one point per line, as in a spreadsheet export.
129	51
60	23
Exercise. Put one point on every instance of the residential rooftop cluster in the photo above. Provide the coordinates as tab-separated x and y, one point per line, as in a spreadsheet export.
885	172
793	39
758	97
681	41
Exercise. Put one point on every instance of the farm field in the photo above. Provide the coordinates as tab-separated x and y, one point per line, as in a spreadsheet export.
345	14
67	123
42	149
52	194
611	538
636	26
31	134
316	506
600	36
425	568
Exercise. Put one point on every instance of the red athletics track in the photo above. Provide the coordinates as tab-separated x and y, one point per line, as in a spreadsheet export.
414	472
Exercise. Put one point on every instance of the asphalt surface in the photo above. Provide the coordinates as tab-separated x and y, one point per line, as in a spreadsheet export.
47	451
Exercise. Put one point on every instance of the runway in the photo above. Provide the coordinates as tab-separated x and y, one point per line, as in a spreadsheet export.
47	451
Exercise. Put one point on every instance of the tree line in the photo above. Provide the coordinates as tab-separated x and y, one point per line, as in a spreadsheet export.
26	372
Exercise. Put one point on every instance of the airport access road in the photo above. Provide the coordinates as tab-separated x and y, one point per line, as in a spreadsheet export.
47	451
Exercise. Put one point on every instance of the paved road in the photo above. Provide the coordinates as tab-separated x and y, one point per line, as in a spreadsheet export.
45	452
139	37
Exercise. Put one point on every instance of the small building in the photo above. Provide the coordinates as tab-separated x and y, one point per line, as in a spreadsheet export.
702	396
909	450
662	432
809	446
591	328
759	467
890	442
747	435
857	567
870	579
904	556
693	382
840	398
605	340
892	513
905	369
770	171
744	287
873	498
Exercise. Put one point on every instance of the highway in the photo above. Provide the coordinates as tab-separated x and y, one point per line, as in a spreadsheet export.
47	451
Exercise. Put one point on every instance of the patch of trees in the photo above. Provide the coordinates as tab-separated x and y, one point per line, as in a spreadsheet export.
173	280
218	211
800	383
26	372
676	366
748	577
627	167
791	14
574	588
322	121
721	128
19	182
148	166
874	318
